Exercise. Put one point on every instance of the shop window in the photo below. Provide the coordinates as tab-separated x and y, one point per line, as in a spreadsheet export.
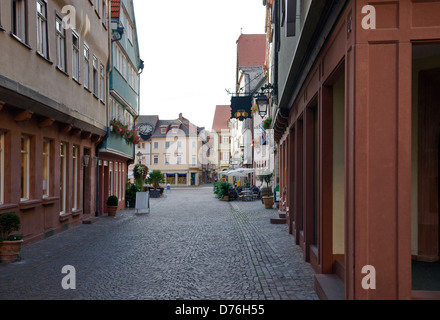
25	168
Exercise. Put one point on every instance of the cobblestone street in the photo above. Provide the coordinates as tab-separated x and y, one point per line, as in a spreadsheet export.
190	246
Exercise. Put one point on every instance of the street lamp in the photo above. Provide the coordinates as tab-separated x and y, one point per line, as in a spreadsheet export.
262	99
262	102
139	155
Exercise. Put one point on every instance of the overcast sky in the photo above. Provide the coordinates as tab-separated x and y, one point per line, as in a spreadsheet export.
189	49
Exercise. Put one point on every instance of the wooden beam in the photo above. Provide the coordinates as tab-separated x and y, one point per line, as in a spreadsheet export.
23	115
75	131
66	127
96	138
46	122
86	135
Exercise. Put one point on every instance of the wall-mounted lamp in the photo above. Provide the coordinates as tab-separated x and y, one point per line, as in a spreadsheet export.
86	160
139	156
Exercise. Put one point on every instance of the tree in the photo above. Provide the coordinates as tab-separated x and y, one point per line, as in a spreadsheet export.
155	178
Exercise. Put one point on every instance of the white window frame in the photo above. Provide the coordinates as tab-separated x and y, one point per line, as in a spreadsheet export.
116	174
75	55
63	177
102	82
155	159
86	66
42	42
95	76
60	43
19	19
75	163
167	159
46	168
25	168
110	178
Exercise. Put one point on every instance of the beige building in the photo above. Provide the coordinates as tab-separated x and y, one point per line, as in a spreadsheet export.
221	146
53	100
175	147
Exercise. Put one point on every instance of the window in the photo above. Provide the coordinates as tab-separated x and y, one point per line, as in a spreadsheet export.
104	12
179	159
75	163
19	22
167	144
156	145
42	44
25	167
123	182
61	43
46	168
102	84
116	168
179	144
63	177
97	6
2	167
110	179
194	144
226	140
86	66
155	159
95	76
167	159
194	161
75	55
225	155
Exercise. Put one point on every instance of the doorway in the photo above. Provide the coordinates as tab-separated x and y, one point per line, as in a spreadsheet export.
425	224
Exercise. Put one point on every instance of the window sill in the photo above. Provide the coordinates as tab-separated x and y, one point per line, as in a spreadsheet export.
65	216
76	81
76	212
29	204
47	201
44	58
1	29
21	41
62	71
7	206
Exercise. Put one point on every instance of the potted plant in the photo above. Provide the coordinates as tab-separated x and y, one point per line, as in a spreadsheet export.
267	123
140	172
10	245
155	179
112	205
130	194
266	192
223	190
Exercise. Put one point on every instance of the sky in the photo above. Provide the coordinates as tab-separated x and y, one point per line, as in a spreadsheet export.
190	54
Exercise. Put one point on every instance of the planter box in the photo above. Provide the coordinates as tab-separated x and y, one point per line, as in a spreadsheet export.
9	251
154	193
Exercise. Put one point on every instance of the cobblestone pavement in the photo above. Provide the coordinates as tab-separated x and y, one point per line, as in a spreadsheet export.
190	246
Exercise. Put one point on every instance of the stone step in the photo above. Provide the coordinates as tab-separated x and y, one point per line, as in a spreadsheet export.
282	214
329	287
277	220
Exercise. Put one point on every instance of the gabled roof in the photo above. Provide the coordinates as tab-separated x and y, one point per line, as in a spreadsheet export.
221	117
251	50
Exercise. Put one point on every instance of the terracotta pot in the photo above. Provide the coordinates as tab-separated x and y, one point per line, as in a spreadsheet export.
225	198
112	211
268	202
9	250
